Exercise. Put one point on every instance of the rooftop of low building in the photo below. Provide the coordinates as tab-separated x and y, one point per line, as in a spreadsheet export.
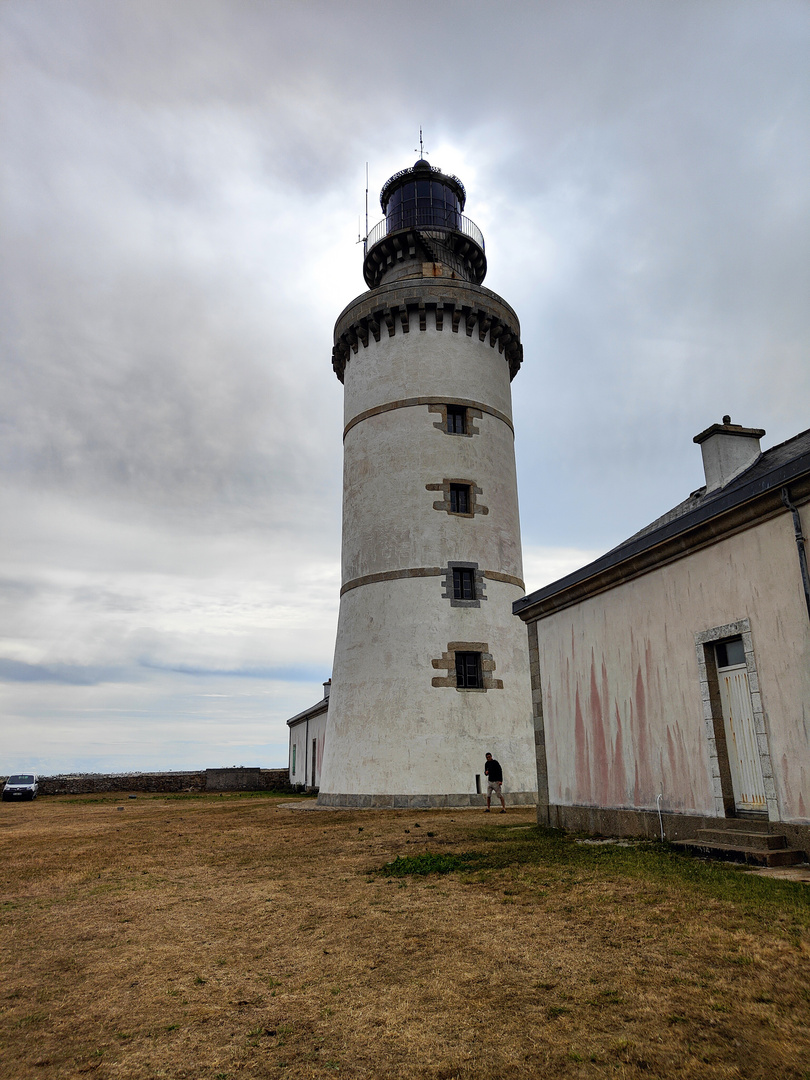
694	522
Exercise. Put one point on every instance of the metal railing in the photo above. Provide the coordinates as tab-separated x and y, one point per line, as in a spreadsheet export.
463	225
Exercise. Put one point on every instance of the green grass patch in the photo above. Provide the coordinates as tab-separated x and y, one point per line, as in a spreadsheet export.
560	857
553	1011
785	905
431	863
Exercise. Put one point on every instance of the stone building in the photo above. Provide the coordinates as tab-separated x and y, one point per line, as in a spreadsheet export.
673	673
430	669
307	740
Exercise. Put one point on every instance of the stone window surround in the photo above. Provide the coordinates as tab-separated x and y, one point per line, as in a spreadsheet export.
444	504
447	583
472	414
713	716
447	662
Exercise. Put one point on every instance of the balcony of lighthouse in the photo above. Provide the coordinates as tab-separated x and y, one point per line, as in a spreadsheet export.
459	245
423	225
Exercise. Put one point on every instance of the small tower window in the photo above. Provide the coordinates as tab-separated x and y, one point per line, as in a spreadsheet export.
466	665
463	583
468	671
459	498
456	420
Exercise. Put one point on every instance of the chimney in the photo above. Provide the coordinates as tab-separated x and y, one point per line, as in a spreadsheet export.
327	686
728	450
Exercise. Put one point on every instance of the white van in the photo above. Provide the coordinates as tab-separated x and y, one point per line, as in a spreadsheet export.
21	786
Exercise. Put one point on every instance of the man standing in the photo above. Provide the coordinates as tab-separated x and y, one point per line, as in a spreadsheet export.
494	775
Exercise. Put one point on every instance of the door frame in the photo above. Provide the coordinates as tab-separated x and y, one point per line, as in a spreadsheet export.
739	728
715	726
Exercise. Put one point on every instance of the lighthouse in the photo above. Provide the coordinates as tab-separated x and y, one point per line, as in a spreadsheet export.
431	669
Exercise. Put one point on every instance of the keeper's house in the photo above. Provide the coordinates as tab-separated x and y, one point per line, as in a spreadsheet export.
307	738
673	673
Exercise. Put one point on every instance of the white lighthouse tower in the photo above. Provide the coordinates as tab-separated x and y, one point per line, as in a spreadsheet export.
431	668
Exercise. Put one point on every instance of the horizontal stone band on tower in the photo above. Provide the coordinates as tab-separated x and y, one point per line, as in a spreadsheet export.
409	403
423	571
456	303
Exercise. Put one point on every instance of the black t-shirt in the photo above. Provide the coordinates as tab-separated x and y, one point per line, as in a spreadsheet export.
493	771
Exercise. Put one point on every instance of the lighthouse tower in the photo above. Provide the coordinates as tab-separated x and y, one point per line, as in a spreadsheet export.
431	669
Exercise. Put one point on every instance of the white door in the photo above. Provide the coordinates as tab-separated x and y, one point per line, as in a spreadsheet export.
741	738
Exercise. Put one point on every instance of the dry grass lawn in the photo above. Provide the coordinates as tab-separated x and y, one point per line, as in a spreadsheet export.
226	938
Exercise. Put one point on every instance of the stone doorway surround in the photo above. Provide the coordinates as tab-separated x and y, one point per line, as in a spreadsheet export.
713	717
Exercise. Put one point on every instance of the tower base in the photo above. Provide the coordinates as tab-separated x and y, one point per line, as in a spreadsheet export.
422	802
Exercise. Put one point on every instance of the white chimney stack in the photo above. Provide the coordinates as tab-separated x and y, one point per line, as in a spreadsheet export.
728	450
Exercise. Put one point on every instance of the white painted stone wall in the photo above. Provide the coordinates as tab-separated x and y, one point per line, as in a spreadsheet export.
302	735
389	519
621	691
391	732
423	363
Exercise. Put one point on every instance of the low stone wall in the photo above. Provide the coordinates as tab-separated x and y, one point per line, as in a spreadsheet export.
242	779
97	783
199	780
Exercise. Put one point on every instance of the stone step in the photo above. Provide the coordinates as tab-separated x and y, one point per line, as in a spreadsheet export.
753	841
735	852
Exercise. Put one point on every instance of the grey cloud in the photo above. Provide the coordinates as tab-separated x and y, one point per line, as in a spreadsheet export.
180	189
64	674
292	673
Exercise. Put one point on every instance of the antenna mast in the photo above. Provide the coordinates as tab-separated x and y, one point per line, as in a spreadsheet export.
364	237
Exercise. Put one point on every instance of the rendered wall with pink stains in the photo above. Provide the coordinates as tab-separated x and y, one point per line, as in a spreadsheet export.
622	703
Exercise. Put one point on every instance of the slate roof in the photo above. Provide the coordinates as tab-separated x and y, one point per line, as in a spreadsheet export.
766	463
307	714
773	469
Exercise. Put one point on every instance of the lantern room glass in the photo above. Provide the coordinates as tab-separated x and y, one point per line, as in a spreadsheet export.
425	203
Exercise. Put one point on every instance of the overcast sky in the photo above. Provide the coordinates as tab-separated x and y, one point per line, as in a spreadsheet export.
180	189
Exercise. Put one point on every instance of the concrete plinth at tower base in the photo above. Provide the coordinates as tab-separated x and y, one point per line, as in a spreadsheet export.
422	802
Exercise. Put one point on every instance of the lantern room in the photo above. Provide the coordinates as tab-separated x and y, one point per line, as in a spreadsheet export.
423	223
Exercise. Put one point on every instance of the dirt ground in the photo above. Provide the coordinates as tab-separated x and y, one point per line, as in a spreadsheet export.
221	938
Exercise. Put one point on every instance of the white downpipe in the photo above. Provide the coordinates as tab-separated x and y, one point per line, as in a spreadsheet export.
660	819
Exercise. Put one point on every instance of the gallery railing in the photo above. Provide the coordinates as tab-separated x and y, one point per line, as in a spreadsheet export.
427	219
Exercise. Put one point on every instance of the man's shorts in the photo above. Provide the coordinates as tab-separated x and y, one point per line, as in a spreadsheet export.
494	785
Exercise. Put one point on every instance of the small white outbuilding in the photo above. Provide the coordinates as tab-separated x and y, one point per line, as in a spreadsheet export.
307	739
